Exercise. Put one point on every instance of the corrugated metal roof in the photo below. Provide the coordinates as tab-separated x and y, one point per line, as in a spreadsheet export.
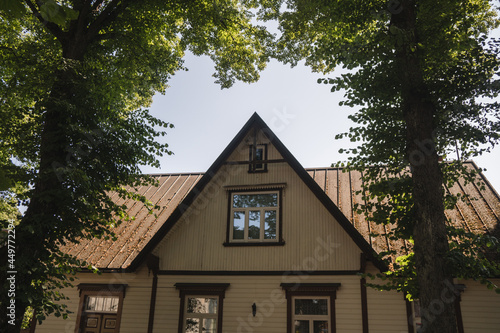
480	215
133	235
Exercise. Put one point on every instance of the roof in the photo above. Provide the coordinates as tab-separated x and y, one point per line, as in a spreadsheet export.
132	236
333	187
479	215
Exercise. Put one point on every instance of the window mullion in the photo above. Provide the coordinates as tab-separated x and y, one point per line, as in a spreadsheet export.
247	223
262	223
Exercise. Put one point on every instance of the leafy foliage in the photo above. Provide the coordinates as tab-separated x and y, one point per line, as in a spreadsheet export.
458	66
76	78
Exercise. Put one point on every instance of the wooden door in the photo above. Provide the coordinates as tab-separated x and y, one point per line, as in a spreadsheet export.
99	323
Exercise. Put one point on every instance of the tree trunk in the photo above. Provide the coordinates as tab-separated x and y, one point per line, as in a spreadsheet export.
431	243
35	235
44	223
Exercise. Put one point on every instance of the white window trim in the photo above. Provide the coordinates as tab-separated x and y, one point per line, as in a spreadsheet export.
310	291
416	315
102	297
246	210
312	318
200	316
208	290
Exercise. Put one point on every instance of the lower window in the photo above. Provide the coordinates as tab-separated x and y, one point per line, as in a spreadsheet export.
201	314
310	307
311	315
201	307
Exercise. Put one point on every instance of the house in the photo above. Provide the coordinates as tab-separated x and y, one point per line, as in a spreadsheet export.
258	244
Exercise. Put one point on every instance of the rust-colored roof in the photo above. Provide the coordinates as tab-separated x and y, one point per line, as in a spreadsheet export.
480	215
133	235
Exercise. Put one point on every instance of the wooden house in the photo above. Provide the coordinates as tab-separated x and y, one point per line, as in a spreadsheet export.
258	244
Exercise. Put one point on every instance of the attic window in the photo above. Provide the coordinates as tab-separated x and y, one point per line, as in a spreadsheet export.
257	154
254	218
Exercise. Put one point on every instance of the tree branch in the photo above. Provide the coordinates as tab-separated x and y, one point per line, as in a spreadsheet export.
52	27
97	4
112	10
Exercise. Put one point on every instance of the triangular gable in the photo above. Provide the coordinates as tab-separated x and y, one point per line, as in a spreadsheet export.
256	123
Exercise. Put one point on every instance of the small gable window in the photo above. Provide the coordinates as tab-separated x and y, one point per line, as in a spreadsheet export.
254	217
258	154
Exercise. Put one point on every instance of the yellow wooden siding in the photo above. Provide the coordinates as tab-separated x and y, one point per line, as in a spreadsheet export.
135	311
55	324
266	293
386	309
480	308
196	241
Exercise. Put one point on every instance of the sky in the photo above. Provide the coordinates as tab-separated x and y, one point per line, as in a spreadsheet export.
303	114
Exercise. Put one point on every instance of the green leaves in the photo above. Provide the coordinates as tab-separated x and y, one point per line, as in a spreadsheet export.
57	13
459	78
76	79
12	7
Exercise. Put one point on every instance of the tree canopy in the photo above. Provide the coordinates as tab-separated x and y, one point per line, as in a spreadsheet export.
76	77
424	77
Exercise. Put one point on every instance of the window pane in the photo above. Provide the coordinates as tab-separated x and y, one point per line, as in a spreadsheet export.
270	224
254	224
301	326
311	306
320	326
192	325
90	303
209	326
238	225
114	304
99	304
107	304
259	154
102	304
255	200
202	305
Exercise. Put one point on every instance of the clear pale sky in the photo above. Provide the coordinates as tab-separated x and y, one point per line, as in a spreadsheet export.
303	114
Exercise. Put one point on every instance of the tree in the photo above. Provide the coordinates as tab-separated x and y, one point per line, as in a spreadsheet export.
424	75
75	76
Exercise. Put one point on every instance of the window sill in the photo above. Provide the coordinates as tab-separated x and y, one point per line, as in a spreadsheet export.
237	244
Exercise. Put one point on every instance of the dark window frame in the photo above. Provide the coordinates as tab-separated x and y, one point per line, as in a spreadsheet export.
310	290
201	289
253	162
279	232
97	289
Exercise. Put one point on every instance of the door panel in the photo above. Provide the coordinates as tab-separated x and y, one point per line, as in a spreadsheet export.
99	323
108	323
